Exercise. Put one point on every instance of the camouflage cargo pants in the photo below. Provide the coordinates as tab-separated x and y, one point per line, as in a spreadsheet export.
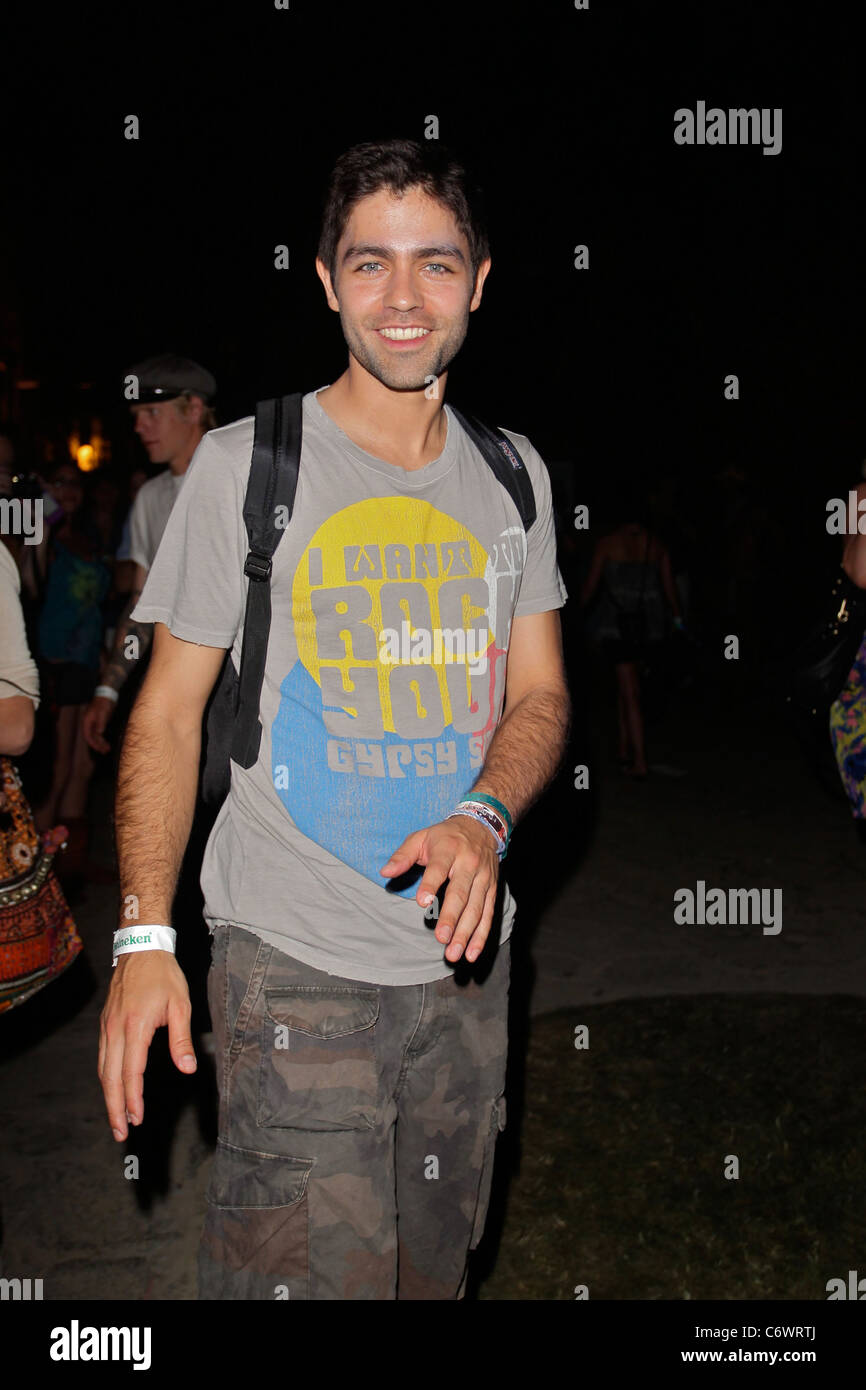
357	1127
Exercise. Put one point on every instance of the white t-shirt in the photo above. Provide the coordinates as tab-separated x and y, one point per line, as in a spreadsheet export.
361	743
150	512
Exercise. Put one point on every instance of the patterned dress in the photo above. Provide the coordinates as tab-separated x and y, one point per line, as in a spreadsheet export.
38	939
848	733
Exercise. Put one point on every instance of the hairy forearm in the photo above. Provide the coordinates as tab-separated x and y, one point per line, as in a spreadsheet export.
527	749
156	792
125	654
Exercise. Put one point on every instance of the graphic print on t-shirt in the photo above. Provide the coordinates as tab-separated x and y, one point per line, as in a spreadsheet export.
385	718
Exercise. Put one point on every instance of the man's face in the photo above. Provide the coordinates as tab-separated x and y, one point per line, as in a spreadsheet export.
165	431
402	263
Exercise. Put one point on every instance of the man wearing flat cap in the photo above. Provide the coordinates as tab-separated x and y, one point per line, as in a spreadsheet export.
171	410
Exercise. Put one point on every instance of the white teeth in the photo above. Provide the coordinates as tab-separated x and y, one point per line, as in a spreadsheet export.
403	333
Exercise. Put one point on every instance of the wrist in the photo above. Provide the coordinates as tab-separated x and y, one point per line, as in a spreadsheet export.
471	815
149	936
490	813
488	799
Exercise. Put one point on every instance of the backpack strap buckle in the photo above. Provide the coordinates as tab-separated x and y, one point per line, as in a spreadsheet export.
257	566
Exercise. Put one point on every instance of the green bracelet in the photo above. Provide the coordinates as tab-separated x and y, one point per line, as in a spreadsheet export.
497	806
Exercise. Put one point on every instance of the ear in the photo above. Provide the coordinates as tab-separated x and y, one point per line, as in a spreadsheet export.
479	282
195	409
325	277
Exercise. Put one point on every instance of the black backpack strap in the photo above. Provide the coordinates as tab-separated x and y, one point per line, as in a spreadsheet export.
272	483
506	463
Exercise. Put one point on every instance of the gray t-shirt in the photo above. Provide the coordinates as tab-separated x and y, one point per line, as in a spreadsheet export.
149	513
392	599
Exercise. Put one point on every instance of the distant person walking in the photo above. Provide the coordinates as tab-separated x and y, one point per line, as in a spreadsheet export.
848	711
70	646
631	581
171	416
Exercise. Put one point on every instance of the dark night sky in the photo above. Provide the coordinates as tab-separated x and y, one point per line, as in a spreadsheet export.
702	261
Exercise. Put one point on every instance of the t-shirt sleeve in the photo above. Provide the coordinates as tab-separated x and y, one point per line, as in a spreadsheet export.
196	584
18	671
541	587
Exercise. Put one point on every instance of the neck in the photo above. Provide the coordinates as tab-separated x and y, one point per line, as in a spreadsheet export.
181	462
408	425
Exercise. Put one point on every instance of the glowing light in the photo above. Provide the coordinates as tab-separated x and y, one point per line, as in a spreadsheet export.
86	457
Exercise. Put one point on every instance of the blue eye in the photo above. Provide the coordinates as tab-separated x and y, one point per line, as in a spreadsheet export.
432	265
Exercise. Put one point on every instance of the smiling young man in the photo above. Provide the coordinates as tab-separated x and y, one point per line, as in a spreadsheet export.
360	967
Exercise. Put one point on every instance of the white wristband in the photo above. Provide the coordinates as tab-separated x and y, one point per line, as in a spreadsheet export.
143	938
108	692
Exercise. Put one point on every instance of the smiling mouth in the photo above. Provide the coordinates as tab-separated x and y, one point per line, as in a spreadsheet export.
403	335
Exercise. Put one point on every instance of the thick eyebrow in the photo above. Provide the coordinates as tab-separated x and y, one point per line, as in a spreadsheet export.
420	252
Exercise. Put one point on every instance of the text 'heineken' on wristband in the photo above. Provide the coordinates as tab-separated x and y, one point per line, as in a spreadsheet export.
153	937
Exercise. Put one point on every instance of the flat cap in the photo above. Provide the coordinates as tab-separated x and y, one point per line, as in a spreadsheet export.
168	376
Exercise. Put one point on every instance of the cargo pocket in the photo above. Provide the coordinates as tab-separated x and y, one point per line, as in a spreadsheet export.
497	1125
255	1240
318	1068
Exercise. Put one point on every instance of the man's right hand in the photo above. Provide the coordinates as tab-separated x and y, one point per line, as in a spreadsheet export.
95	720
148	991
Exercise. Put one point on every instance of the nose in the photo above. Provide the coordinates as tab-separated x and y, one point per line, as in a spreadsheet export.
403	292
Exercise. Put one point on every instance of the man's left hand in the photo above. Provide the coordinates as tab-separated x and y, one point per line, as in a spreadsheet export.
464	851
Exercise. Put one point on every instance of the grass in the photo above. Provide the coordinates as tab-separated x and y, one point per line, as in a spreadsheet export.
619	1181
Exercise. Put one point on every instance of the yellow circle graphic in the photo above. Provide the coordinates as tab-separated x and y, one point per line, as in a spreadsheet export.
384	541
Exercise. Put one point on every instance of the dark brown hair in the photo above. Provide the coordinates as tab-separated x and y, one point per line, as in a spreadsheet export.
399	165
